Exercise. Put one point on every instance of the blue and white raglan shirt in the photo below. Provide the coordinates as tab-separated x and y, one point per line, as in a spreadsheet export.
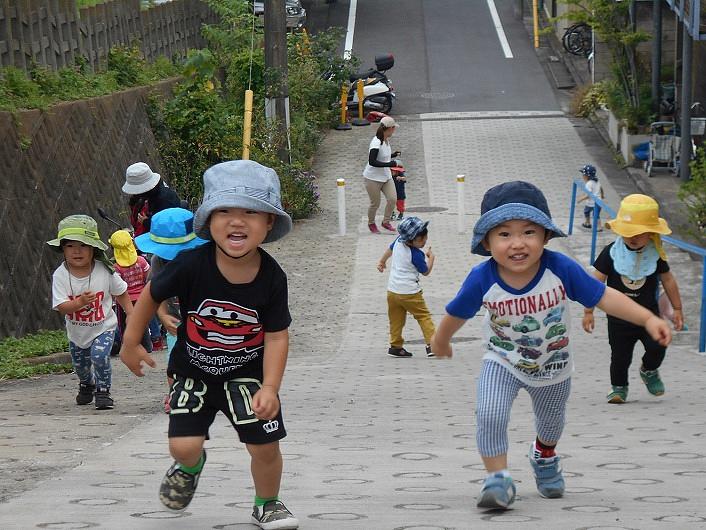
407	263
528	330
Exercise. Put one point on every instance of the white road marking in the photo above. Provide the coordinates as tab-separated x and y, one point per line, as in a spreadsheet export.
499	30
348	47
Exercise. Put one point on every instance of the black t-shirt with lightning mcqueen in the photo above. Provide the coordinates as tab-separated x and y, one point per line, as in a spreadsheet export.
223	325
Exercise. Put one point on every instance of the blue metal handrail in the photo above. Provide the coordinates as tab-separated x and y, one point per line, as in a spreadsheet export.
598	202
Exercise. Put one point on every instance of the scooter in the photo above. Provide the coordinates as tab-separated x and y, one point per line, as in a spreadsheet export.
378	92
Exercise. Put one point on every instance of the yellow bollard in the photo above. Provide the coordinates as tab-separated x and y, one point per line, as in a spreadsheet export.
247	124
535	22
361	95
344	125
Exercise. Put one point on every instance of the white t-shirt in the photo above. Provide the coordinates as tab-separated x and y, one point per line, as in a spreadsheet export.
379	174
407	263
594	187
83	326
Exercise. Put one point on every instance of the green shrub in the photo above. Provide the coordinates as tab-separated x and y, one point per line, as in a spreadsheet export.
693	194
13	351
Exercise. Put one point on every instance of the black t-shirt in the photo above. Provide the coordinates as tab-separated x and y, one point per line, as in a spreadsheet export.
642	291
223	324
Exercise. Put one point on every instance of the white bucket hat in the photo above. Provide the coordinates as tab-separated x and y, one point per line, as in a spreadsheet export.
242	184
139	178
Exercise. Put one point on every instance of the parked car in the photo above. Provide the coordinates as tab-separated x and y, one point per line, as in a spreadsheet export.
555	331
526	340
500	343
561	342
504	322
529	353
527	324
553	316
296	14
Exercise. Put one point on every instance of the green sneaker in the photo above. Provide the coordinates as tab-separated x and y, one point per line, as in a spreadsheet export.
654	384
618	395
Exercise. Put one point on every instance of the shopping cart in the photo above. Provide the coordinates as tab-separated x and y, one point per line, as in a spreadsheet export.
664	147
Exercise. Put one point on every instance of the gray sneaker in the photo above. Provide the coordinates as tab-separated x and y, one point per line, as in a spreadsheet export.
274	515
178	487
103	400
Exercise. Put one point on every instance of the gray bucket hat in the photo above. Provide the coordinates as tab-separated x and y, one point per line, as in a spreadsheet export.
139	178
242	184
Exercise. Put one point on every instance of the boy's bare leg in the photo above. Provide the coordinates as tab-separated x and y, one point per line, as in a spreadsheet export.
495	463
266	468
187	449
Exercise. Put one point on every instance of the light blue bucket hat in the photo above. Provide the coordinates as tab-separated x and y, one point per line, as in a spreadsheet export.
242	184
171	231
508	201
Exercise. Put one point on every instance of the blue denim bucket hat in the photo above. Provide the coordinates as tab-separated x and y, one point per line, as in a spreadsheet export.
410	227
171	231
242	184
508	201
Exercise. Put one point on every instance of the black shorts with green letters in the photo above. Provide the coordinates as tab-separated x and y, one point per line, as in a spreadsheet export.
194	405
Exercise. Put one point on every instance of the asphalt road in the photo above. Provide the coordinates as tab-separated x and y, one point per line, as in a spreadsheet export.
448	57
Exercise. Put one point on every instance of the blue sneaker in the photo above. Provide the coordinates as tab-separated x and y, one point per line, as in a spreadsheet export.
547	475
498	492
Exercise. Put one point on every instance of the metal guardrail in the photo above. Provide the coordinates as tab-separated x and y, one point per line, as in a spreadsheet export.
672	241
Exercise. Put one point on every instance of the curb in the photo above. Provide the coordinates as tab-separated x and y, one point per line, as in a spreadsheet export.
52	358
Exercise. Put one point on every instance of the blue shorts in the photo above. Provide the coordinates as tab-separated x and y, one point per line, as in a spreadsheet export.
588	211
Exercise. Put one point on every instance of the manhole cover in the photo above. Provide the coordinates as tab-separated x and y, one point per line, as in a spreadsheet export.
425	209
437	95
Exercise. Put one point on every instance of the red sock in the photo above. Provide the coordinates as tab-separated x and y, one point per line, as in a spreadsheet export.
400	205
543	451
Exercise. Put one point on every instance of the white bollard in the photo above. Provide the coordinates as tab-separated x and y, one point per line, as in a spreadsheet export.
460	179
341	185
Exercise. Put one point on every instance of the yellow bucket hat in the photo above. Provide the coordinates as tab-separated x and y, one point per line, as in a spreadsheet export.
639	214
123	248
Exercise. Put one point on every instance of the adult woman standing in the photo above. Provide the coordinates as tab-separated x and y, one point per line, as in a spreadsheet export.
378	177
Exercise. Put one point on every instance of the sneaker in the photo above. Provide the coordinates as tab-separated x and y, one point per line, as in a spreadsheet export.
498	491
618	395
388	226
103	400
547	475
178	486
374	228
85	394
398	352
274	515
429	352
400	216
654	384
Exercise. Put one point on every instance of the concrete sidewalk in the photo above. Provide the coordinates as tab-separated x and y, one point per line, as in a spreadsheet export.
376	442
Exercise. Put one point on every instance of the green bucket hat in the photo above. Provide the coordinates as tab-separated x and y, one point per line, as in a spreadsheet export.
81	228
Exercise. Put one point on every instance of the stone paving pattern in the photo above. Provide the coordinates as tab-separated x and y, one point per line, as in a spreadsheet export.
376	442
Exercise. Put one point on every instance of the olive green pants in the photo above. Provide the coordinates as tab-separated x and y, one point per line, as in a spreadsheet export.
398	305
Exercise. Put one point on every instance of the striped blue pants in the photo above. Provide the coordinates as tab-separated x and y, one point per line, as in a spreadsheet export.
497	389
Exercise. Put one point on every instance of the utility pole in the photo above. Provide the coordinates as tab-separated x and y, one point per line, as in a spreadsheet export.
276	82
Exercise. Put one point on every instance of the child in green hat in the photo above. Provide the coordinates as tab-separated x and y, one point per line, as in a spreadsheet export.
83	287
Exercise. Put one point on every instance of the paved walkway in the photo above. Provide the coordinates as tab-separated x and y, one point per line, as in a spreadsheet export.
376	442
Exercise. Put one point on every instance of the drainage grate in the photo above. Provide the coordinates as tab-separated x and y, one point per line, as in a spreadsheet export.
425	209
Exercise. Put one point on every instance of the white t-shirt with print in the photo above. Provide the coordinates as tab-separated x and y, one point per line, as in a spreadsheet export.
379	174
594	187
83	326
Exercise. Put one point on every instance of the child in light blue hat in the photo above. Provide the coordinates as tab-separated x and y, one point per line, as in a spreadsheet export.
525	291
233	340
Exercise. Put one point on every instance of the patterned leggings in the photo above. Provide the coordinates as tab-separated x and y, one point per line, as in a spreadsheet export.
497	389
94	361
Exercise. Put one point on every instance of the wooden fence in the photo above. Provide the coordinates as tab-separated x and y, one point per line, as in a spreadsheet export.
55	33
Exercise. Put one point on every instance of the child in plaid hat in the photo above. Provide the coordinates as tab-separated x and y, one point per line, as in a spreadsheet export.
404	294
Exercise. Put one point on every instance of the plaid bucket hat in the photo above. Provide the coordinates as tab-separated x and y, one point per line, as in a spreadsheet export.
508	201
410	228
171	231
242	184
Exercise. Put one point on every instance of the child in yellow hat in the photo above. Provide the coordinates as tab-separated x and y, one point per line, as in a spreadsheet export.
133	270
635	264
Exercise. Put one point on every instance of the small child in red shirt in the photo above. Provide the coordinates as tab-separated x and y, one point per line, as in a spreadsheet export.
133	270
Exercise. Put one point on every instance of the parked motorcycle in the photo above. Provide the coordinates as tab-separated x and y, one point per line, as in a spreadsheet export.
378	92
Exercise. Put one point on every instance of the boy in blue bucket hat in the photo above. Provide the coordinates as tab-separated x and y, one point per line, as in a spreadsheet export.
232	344
525	290
404	294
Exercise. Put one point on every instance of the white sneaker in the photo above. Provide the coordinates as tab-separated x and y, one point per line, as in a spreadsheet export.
274	515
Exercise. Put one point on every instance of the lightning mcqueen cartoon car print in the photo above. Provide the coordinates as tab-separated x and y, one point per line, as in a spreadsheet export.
218	325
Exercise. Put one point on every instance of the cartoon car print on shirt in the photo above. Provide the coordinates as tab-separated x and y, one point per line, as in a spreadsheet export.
529	353
555	331
553	316
527	324
558	357
495	319
219	325
505	345
524	364
499	332
558	344
526	340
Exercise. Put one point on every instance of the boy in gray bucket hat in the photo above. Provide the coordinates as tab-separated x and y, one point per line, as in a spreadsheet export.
232	343
525	290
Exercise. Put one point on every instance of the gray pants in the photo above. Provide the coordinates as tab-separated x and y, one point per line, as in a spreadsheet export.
374	188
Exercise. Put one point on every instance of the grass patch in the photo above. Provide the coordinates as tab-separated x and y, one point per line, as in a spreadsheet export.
13	351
